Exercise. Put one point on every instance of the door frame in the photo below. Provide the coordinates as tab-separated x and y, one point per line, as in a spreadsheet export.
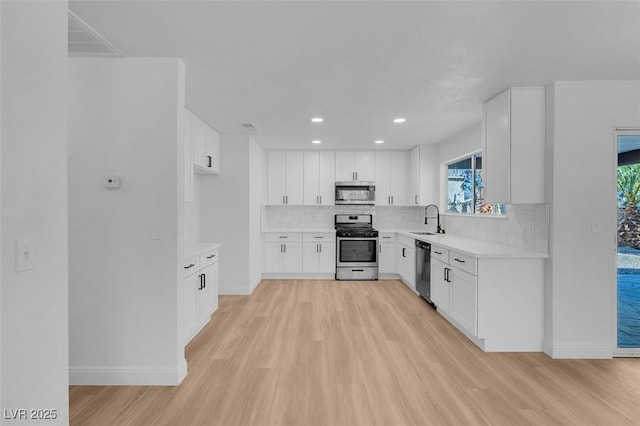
619	352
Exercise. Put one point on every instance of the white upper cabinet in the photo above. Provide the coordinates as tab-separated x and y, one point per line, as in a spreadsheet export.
513	145
206	148
355	166
285	177
423	176
391	178
319	178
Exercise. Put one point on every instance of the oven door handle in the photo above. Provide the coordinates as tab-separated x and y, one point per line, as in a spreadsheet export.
357	238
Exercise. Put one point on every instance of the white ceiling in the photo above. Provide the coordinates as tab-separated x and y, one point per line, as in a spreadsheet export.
360	64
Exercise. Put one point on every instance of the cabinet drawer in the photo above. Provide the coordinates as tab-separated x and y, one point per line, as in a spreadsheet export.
191	266
463	261
309	237
283	237
440	253
209	258
387	237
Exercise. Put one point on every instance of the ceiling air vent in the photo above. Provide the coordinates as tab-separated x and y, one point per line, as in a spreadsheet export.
82	40
250	127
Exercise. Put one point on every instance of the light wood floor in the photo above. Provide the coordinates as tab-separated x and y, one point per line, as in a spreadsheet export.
361	353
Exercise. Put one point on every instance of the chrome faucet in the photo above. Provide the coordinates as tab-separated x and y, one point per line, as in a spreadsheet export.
439	230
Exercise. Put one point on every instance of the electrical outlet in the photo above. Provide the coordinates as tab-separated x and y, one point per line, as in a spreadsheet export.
112	182
25	255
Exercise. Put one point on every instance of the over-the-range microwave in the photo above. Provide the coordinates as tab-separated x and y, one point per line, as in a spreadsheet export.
356	192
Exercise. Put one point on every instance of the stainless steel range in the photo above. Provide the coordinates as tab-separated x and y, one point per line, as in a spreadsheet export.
356	247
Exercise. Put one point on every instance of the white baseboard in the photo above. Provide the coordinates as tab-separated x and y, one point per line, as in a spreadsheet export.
127	376
583	351
234	290
256	282
298	276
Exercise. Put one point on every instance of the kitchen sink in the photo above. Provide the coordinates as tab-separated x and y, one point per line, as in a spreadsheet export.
422	233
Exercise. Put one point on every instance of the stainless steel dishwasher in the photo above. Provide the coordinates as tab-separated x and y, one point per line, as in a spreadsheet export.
423	270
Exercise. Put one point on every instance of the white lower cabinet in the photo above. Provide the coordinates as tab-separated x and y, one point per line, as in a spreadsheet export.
439	285
319	257
386	253
199	293
406	260
454	287
464	299
283	252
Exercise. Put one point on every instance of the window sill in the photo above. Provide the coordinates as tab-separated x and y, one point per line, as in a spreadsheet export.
476	216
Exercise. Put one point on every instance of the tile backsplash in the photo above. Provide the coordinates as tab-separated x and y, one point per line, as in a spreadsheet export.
525	226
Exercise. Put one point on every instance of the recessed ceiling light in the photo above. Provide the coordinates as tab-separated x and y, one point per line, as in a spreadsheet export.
317	120
316	142
380	141
399	120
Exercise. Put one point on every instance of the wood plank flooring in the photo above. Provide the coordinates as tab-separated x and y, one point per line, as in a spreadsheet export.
361	353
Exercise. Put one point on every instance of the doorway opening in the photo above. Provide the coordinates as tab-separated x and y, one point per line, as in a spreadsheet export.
627	318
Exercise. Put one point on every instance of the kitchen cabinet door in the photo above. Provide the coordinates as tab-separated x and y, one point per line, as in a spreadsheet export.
513	145
207	293
285	178
355	166
327	180
364	166
206	156
383	178
310	255
464	299
496	162
386	258
273	257
439	286
423	176
292	257
327	258
406	262
189	307
345	163
319	178
398	178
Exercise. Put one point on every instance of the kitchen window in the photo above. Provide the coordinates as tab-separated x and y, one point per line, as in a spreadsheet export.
465	188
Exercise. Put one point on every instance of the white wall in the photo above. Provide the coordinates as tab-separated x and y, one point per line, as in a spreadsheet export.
34	305
230	205
257	198
123	120
580	157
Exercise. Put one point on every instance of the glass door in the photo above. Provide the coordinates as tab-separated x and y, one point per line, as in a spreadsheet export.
627	313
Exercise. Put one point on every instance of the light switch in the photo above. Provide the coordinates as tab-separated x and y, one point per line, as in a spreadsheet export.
112	182
25	255
157	232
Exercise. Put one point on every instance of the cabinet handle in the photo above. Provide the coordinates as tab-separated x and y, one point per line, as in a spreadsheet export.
357	270
356	175
190	266
386	238
211	257
283	236
204	280
446	275
210	160
317	199
283	202
415	197
379	248
317	236
392	200
320	245
403	252
321	199
285	247
458	260
437	252
201	281
281	248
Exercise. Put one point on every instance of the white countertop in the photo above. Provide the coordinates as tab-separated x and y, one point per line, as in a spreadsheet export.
476	248
303	230
196	249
